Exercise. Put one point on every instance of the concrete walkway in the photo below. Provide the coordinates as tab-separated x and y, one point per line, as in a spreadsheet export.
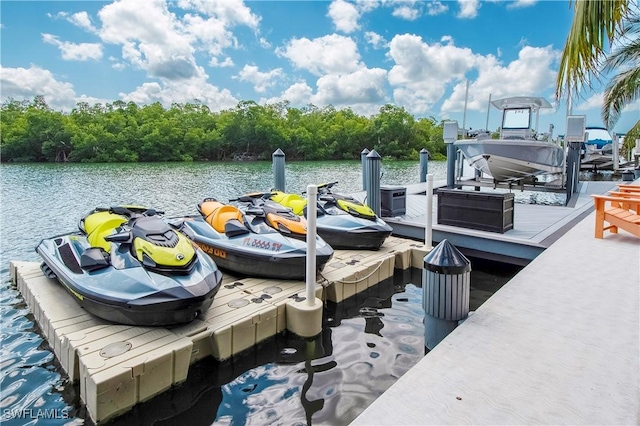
558	344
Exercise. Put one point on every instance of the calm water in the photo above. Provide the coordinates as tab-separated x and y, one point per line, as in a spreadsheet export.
363	349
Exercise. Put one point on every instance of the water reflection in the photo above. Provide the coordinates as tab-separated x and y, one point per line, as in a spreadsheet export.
366	344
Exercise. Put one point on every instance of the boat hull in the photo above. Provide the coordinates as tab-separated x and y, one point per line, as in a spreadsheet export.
270	255
127	293
512	160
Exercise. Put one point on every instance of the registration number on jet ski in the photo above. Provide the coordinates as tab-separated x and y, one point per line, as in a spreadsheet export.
267	245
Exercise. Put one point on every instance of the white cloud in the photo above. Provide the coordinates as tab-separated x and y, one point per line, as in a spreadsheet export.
75	51
264	43
531	74
82	20
215	62
593	102
25	83
436	8
344	15
155	39
298	94
261	80
516	4
329	54
365	6
211	32
151	37
376	40
422	72
356	89
468	8
182	91
408	12
230	12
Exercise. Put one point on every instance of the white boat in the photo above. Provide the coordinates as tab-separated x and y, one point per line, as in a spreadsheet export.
520	152
597	150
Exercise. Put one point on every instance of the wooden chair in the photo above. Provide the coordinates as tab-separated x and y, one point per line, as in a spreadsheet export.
626	195
621	212
629	188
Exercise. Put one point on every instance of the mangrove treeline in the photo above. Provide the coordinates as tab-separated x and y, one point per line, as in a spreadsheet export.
126	132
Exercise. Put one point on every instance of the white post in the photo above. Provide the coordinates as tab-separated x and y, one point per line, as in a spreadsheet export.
312	200
428	233
616	152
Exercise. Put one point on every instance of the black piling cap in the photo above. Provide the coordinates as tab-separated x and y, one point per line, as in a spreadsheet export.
446	259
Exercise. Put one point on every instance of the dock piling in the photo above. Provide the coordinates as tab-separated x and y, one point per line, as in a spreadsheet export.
277	159
363	160
424	164
373	181
450	135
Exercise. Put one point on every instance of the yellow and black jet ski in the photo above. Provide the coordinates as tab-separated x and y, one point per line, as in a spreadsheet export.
342	221
127	265
264	239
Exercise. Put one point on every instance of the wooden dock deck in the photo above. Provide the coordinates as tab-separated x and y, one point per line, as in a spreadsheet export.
118	366
558	344
536	226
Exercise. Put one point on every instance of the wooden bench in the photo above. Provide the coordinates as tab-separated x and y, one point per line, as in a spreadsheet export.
621	212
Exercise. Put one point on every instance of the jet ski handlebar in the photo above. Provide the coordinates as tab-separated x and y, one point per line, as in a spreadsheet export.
130	211
253	197
324	188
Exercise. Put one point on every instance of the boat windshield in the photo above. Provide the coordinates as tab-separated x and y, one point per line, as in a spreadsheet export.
598	134
516	118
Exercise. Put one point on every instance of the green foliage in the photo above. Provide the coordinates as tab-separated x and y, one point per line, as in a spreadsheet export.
126	132
630	140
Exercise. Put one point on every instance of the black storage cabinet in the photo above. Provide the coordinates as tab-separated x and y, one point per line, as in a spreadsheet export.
484	211
393	200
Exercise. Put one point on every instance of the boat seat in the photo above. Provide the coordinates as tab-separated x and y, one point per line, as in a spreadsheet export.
619	212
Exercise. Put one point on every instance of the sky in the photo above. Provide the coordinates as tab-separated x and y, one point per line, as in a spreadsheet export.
426	56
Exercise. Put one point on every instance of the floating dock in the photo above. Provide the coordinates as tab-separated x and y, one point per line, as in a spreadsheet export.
118	366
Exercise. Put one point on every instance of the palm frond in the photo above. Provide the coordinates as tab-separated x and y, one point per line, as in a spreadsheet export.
623	89
595	24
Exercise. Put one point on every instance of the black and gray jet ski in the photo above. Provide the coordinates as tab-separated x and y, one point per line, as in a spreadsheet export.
127	265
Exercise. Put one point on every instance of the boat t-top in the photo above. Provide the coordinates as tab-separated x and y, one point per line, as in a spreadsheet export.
520	152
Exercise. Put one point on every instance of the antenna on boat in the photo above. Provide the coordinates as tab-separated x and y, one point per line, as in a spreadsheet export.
486	126
464	114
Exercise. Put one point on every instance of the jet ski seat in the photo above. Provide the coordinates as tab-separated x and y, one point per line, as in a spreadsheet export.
294	202
100	224
222	215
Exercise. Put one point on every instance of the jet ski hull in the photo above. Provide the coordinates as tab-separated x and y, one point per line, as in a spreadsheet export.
124	291
343	231
270	255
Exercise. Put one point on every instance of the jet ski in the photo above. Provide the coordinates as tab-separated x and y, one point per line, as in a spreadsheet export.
265	239
342	221
127	265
